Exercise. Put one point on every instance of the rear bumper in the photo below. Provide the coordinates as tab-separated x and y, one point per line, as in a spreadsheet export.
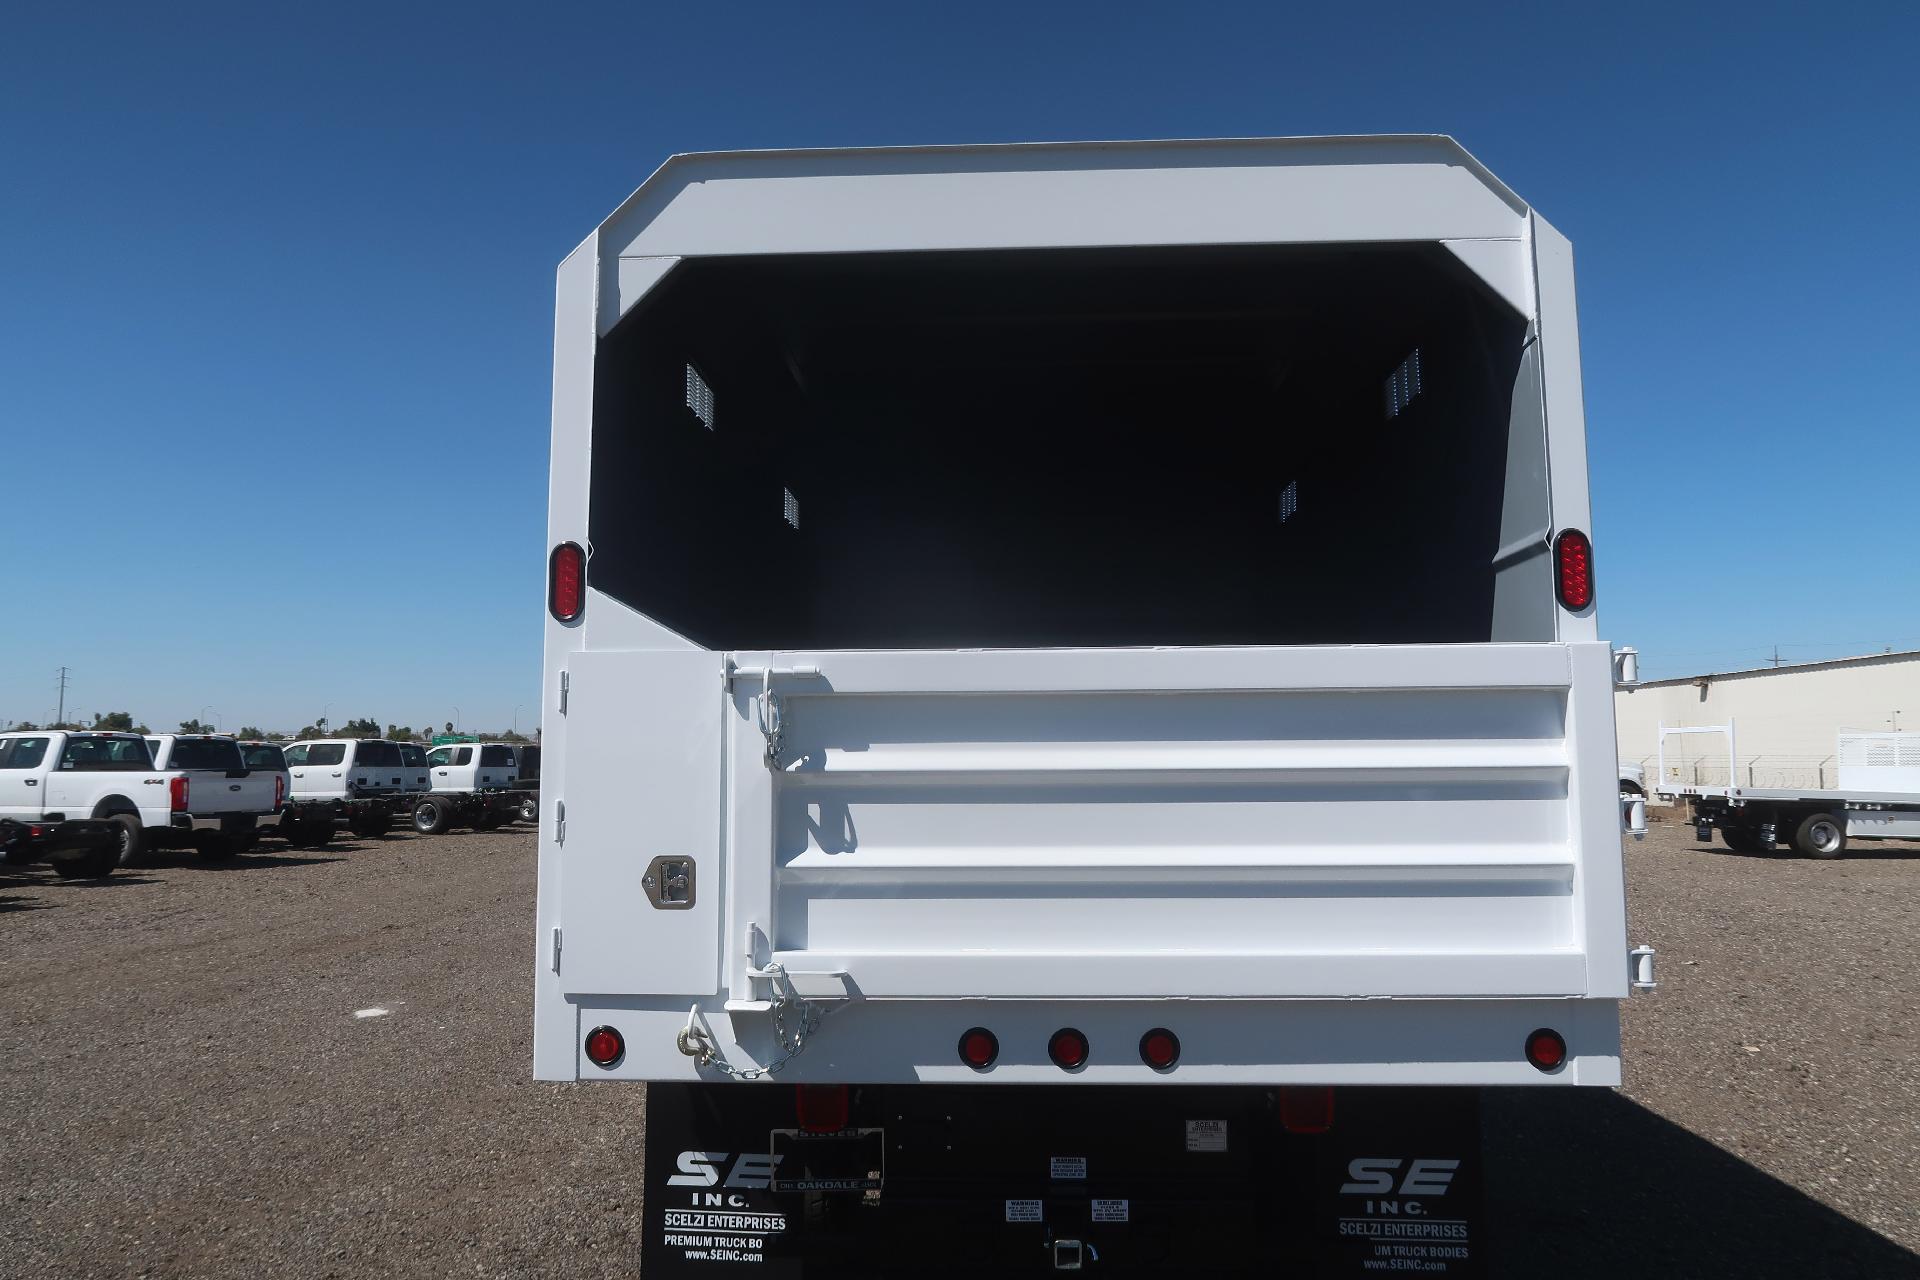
27	842
230	823
1267	1042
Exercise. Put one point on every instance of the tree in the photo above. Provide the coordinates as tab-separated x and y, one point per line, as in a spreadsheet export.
194	726
114	722
26	724
359	729
251	731
318	729
400	732
449	726
513	736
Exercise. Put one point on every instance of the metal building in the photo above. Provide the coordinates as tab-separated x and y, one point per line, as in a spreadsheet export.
1788	717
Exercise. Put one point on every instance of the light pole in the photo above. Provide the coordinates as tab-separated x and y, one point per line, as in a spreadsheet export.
456	719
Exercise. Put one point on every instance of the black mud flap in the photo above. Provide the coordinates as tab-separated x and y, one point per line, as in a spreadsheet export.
1013	1180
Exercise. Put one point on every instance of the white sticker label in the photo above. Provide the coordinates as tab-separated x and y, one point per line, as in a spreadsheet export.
1070	1167
1109	1210
1023	1211
1206	1135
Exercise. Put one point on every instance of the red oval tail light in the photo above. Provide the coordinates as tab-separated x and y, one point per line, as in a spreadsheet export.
567	582
1573	569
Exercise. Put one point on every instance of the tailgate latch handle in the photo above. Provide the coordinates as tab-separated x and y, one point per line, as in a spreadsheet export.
669	882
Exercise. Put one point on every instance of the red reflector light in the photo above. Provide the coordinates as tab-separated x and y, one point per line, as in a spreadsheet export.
1160	1049
1546	1049
567	582
1306	1108
821	1108
177	793
279	789
1573	569
605	1046
1068	1049
978	1048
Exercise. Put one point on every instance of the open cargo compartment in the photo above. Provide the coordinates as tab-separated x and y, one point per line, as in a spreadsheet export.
1199	446
1109	636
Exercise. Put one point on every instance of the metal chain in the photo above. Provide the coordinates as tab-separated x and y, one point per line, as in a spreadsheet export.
696	1044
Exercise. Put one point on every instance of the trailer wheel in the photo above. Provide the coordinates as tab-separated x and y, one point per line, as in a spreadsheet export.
1820	835
1743	840
430	817
132	839
92	865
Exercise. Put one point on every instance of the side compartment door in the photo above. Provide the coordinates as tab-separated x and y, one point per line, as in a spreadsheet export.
640	782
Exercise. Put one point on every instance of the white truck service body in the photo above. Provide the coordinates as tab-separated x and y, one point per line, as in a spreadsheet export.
1070	614
473	766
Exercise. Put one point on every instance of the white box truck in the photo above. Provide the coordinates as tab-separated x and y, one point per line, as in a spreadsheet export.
1029	618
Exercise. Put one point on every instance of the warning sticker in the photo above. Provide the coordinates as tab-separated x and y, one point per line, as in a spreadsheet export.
1070	1167
1206	1135
1024	1211
1109	1210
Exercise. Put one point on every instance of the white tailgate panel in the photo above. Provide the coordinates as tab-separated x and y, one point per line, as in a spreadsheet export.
642	780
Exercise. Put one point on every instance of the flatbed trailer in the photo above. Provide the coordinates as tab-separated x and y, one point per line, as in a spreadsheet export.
1817	822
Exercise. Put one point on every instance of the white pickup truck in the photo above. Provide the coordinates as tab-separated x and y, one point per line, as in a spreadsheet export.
53	774
1083	658
227	803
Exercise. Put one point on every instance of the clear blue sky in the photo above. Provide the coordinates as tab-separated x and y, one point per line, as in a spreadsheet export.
276	290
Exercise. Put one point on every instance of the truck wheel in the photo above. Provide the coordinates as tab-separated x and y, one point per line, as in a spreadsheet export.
133	839
489	821
88	866
430	817
215	846
1820	835
379	824
317	832
361	825
1743	840
530	810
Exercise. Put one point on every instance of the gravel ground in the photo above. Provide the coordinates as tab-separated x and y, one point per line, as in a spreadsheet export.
190	1093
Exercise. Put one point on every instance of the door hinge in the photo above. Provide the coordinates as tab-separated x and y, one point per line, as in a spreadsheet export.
556	948
559	821
566	681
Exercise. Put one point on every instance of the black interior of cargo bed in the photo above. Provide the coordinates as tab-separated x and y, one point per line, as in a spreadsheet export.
1231	445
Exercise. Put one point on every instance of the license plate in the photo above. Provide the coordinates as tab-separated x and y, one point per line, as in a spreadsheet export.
851	1160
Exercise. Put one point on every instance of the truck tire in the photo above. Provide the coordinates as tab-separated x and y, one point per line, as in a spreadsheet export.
215	846
490	820
133	839
1820	835
430	817
361	824
530	810
1744	840
317	832
92	865
380	823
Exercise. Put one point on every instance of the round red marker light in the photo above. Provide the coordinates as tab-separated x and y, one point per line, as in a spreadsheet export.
605	1046
978	1048
1546	1049
1160	1049
1068	1049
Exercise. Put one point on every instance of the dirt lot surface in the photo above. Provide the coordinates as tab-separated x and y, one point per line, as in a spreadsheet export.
190	1092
